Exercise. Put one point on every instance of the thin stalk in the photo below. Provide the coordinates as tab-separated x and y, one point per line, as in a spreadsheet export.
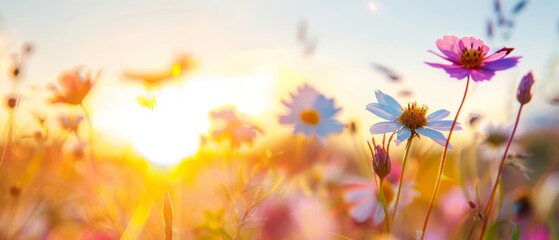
10	133
442	164
406	154
88	119
489	206
472	230
383	202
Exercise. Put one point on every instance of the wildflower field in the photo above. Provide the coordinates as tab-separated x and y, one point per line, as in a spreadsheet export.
357	119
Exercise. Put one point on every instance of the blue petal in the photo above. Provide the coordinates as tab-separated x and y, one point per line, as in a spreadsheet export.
443	125
403	135
383	111
437	136
325	107
438	115
384	127
329	126
388	100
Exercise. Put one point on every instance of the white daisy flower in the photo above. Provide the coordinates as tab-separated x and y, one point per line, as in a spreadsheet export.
311	113
410	121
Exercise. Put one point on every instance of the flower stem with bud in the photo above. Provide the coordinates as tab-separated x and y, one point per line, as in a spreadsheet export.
523	95
406	154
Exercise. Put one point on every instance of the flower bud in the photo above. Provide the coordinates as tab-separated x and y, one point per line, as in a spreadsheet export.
525	89
12	102
381	161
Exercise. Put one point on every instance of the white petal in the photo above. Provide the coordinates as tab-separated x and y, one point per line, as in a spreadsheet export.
443	125
379	214
438	115
437	136
362	211
403	135
383	111
388	100
384	127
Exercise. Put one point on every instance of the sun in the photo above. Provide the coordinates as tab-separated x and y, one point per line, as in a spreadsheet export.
170	132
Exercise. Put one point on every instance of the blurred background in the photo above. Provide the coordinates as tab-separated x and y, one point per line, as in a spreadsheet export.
251	54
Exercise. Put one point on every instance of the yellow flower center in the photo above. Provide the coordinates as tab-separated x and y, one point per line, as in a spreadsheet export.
310	117
413	116
471	58
388	192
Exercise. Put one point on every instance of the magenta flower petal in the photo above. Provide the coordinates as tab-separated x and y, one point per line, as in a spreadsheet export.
472	43
454	71
448	45
482	74
502	64
469	58
495	56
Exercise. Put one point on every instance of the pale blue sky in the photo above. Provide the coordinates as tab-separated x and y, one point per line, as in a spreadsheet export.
115	35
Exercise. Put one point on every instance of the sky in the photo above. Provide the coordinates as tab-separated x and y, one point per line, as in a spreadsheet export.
240	43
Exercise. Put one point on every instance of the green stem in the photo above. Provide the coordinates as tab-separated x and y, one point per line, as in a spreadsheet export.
406	154
489	205
383	202
442	164
88	119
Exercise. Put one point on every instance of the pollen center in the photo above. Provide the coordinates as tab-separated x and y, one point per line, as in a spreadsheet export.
471	58
413	116
388	192
310	117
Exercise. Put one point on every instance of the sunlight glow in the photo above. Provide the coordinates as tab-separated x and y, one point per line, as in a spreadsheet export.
171	131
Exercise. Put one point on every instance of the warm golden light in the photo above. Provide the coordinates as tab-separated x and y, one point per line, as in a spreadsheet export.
171	131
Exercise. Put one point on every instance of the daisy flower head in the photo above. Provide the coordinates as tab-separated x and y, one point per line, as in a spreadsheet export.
410	121
312	113
365	204
468	57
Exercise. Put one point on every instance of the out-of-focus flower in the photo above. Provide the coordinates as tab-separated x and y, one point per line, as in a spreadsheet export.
184	63
70	122
311	212
99	235
73	88
468	57
312	113
410	121
296	217
381	160
495	142
278	222
365	204
525	89
454	204
233	128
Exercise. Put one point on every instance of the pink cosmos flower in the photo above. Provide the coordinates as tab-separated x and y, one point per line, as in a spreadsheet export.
469	57
73	88
233	128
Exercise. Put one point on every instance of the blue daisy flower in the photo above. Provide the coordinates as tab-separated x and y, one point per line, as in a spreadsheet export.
410	121
312	113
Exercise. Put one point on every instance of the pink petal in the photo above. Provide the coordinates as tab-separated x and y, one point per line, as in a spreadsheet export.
502	64
448	45
482	74
495	56
473	43
454	71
